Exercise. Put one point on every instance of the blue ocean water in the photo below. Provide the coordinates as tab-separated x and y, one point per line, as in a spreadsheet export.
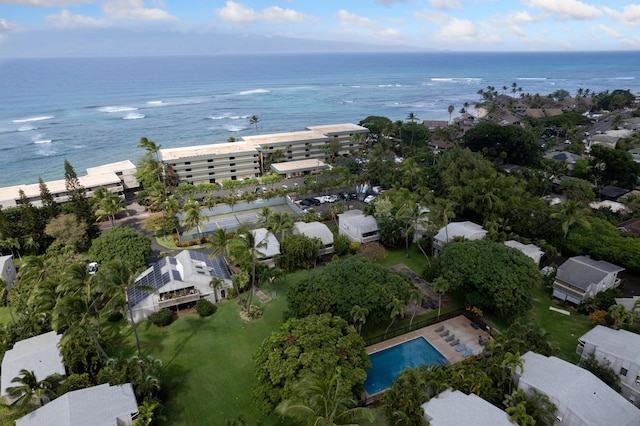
387	364
93	111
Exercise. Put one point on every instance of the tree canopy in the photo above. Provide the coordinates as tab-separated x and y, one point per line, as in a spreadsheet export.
517	144
121	243
344	283
492	276
322	345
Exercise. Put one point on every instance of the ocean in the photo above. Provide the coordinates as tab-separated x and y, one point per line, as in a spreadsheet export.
93	111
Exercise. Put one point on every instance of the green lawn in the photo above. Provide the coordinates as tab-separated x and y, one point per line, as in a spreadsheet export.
5	317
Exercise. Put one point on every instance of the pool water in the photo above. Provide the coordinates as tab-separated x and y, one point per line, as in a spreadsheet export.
387	364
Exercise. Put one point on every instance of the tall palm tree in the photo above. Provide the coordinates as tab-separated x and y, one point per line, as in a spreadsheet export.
109	206
440	285
412	118
513	362
265	215
416	296
450	109
254	120
192	216
323	402
445	210
117	277
359	316
281	222
571	214
219	241
244	243
28	388
396	308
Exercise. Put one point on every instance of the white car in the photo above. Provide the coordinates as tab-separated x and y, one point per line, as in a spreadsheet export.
93	267
369	199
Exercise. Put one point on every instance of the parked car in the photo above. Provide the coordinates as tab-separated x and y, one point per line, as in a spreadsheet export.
369	198
345	196
305	203
92	267
313	201
320	199
331	198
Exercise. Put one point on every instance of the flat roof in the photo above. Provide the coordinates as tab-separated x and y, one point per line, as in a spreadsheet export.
299	166
278	138
58	186
112	167
339	128
226	148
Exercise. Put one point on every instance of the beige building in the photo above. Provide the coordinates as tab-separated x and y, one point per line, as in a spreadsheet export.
291	146
115	177
345	134
212	163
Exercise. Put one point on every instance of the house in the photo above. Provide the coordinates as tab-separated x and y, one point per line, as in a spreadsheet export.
612	193
179	282
102	405
529	250
316	230
568	157
40	354
614	206
580	278
631	226
7	270
622	349
358	227
267	245
457	408
581	399
466	230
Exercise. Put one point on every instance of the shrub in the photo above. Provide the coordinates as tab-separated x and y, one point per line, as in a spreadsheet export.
163	317
598	317
372	251
354	247
205	308
340	244
114	316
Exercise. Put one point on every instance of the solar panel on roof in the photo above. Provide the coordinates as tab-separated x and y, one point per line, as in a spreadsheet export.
172	260
176	275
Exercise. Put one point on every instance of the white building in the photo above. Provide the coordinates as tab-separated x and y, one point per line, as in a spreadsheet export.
358	227
581	399
530	250
179	282
7	270
622	349
102	405
40	354
451	408
467	230
267	245
316	230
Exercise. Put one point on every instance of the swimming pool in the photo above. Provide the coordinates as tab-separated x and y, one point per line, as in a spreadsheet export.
387	364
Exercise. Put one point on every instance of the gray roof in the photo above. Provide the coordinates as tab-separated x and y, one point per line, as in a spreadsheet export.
314	230
577	391
582	271
621	344
467	230
100	405
358	219
530	250
39	354
456	408
272	247
186	269
569	157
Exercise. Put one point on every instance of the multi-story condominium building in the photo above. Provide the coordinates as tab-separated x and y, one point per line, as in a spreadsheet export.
212	163
350	136
622	349
291	146
115	177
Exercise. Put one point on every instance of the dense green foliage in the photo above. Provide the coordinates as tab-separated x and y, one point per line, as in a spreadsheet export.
204	308
163	317
340	285
514	144
613	167
121	243
318	345
298	252
491	276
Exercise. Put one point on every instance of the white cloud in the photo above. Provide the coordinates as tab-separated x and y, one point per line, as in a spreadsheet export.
389	2
446	4
237	12
350	19
389	34
612	32
135	10
4	25
458	30
433	16
45	3
630	15
565	9
523	18
517	31
65	19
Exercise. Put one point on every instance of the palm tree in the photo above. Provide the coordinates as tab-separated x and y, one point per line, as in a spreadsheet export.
396	307
117	277
450	109
412	118
245	243
28	388
192	216
359	316
571	214
445	209
416	296
513	361
323	402
440	285
518	415
281	222
109	206
219	241
620	316
254	120
265	215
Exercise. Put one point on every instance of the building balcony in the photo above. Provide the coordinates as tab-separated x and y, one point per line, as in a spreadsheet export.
167	300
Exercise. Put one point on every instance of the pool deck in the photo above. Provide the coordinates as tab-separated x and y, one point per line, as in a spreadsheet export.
459	326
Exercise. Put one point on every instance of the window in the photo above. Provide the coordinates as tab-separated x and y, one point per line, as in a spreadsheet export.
187	170
623	371
187	163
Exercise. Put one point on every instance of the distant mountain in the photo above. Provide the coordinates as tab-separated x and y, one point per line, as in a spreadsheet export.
110	42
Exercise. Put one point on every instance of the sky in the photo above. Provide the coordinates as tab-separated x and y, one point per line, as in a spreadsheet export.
456	25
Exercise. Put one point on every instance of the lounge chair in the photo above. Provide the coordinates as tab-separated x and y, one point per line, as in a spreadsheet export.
440	329
461	348
455	342
450	338
468	353
444	333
